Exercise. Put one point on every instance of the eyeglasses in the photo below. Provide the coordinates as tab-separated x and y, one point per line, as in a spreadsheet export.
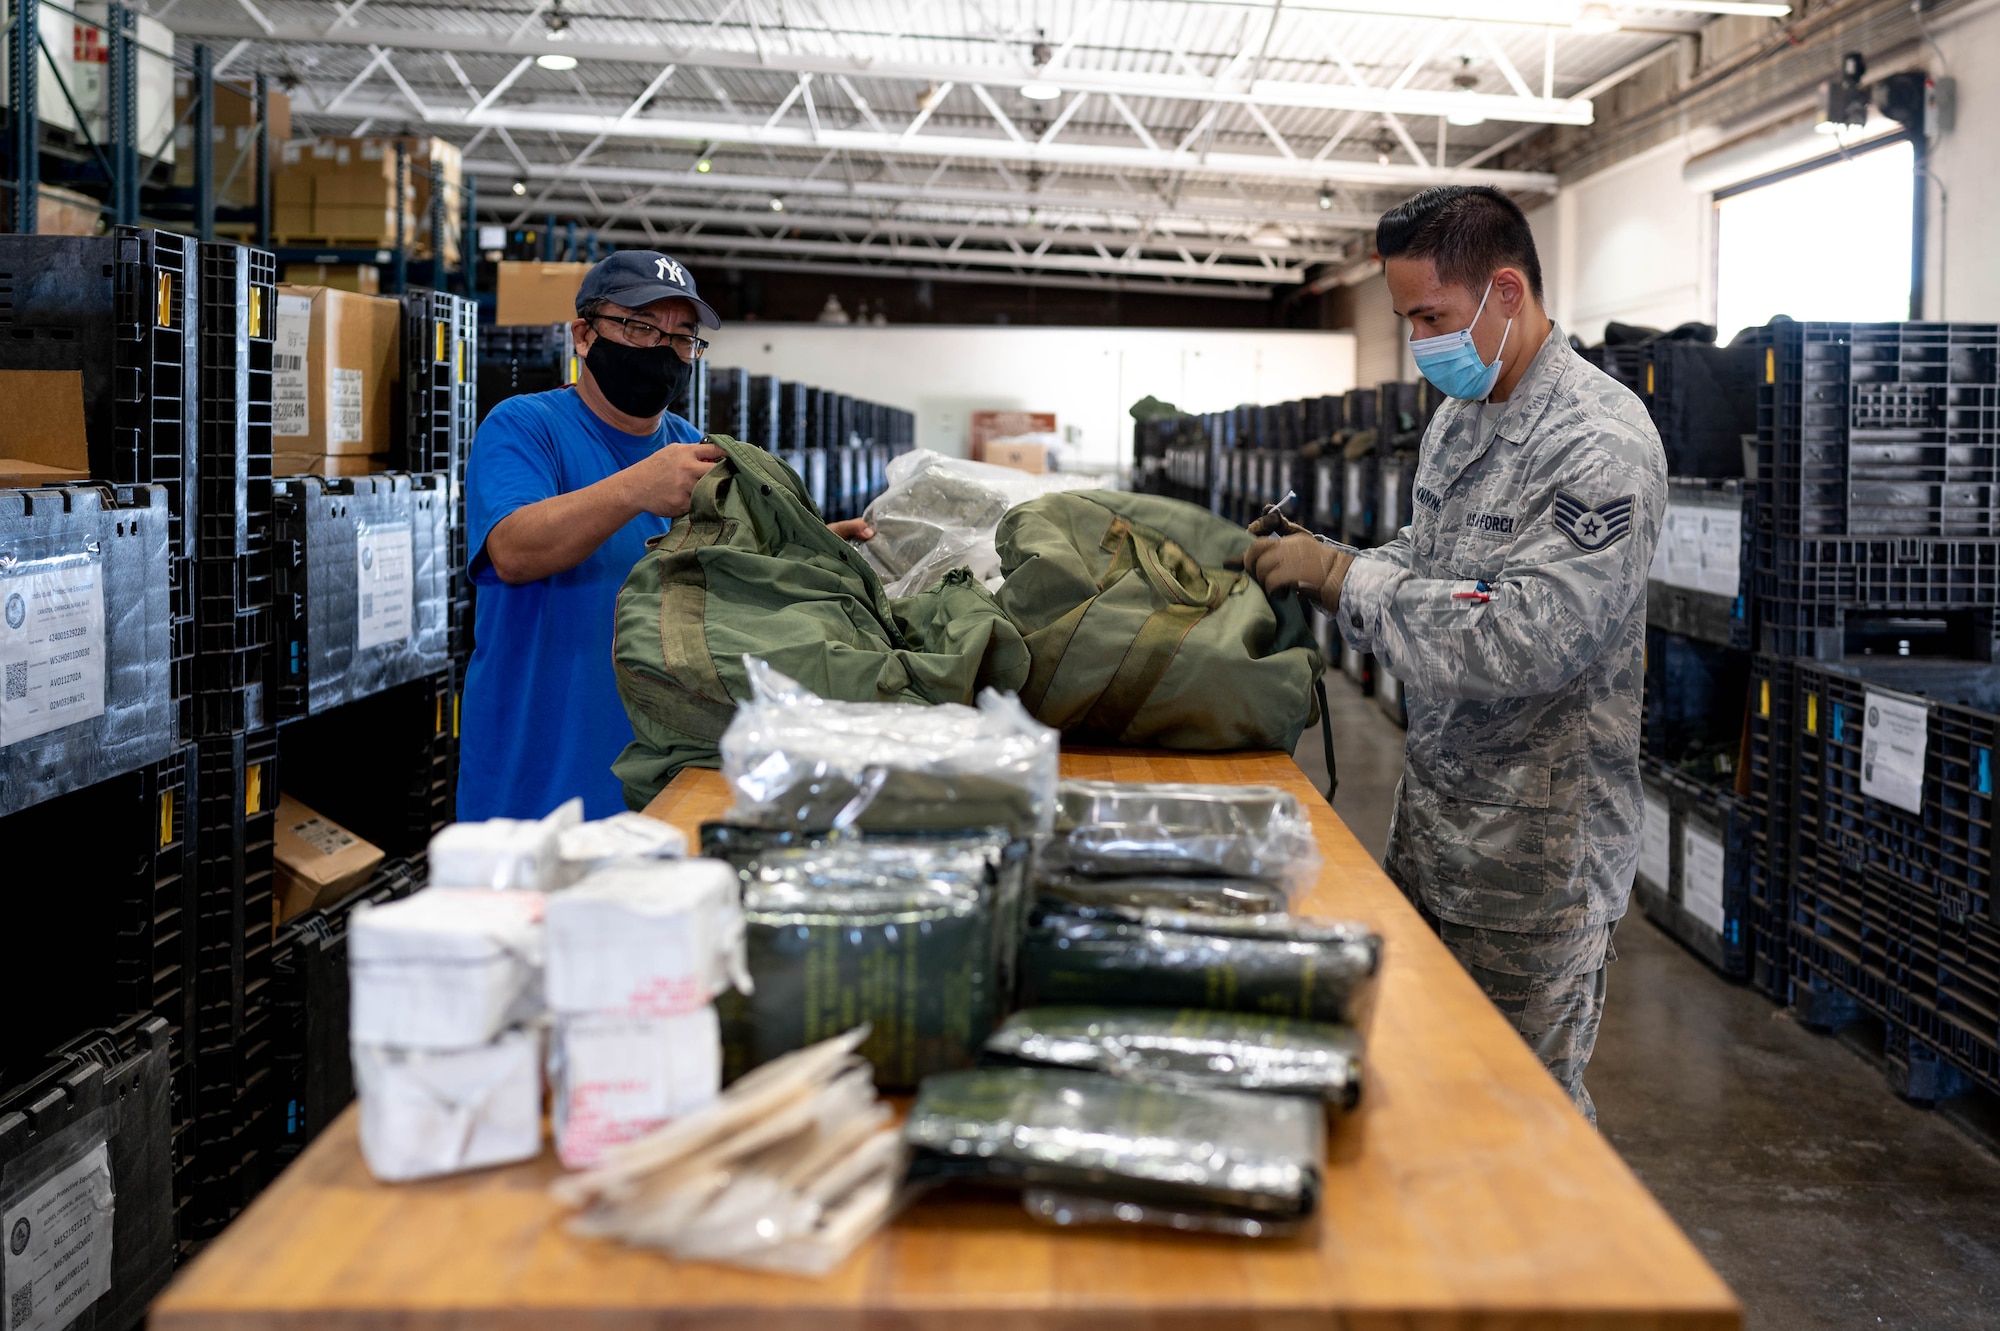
642	334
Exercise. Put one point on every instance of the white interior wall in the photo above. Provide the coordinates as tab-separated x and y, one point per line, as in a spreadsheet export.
1635	243
1089	377
1631	244
1963	262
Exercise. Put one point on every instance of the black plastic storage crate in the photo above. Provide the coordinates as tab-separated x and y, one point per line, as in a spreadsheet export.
1361	495
1703	575
1892	906
792	416
440	382
106	1087
728	402
85	632
364	586
382	766
1396	479
119	311
762	408
108	932
236	803
1768	796
1692	719
238	339
523	358
1704	901
1325	504
1703	401
312	1073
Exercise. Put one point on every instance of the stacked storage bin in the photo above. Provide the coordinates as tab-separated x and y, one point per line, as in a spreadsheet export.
840	446
112	322
1877	581
236	788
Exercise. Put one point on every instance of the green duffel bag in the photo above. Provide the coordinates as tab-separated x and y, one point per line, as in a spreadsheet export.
1142	636
753	569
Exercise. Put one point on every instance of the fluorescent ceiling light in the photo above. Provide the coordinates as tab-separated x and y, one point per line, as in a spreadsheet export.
1040	92
1270	237
559	63
1596	19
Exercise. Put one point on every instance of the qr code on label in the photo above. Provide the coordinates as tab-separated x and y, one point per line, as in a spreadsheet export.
21	1303
17	680
367	612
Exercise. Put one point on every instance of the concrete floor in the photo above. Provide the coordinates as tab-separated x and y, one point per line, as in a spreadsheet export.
1822	1198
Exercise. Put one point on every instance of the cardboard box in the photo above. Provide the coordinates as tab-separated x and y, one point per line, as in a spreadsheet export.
1021	457
990	425
336	369
44	414
15	474
537	293
362	278
318	862
320	464
234	140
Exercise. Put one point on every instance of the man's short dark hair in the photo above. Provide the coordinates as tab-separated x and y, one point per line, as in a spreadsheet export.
1468	232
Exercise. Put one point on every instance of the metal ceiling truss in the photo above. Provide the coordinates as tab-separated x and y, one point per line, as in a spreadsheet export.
1188	158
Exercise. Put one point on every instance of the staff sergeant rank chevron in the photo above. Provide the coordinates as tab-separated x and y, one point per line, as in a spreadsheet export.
1591	529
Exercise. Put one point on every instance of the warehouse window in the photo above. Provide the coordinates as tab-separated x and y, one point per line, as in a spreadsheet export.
1832	241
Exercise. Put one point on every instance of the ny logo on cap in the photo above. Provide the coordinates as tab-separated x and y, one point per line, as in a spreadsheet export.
669	271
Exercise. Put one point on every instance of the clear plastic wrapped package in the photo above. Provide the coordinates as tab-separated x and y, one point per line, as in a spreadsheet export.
1107	828
1130	898
1282	966
797	760
915	938
1229	1050
1208	1157
941	513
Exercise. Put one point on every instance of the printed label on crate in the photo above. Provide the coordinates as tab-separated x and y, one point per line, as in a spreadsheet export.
58	1237
324	837
1701	876
1655	837
51	645
343	406
385	577
291	406
1894	735
1700	549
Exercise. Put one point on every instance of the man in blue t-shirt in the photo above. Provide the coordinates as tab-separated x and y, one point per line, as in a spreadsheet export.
562	492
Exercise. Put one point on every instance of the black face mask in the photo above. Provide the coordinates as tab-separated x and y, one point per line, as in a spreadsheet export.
639	381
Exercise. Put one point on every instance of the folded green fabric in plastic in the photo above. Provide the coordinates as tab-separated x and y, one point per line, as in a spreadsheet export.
1281	966
1107	828
1184	1157
915	937
1191	1048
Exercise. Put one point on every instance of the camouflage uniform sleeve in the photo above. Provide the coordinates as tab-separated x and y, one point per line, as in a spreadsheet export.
1562	591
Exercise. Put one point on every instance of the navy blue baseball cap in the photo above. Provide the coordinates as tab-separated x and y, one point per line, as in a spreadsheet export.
639	277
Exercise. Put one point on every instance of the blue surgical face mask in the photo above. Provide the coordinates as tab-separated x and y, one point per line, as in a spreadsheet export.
1451	362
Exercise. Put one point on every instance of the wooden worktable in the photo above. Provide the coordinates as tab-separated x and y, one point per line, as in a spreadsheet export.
1465	1192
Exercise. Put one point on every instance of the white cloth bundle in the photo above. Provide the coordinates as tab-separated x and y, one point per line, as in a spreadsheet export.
429	1112
448	968
646	938
587	847
506	854
617	1077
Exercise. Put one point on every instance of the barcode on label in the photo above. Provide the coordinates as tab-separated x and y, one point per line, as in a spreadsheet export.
283	362
17	680
21	1304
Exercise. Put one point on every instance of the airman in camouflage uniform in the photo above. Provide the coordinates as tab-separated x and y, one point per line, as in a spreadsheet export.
1513	608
